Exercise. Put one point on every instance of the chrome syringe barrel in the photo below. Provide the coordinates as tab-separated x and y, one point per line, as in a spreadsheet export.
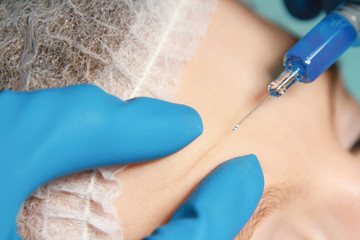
319	49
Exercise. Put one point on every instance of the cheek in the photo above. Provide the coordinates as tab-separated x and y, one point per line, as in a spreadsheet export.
339	216
344	206
338	206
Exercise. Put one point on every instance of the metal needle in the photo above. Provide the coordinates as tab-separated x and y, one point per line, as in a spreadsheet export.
250	113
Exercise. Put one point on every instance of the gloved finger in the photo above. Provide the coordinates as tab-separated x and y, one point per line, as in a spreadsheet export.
307	9
118	132
86	125
50	133
221	204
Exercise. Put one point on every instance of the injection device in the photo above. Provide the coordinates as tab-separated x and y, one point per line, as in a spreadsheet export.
316	51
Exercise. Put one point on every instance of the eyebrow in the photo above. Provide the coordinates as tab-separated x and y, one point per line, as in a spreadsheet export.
275	197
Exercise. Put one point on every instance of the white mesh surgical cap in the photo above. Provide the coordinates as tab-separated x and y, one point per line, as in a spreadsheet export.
129	48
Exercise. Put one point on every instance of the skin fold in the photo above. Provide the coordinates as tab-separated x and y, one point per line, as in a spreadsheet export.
302	139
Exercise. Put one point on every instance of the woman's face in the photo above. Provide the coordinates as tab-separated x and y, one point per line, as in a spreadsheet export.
302	140
312	183
326	206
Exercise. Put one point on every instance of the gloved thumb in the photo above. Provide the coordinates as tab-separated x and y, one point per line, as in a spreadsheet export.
221	204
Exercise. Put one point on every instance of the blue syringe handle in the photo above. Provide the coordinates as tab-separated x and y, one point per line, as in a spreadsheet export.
321	47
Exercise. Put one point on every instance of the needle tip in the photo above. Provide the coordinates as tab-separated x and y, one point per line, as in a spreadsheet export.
252	111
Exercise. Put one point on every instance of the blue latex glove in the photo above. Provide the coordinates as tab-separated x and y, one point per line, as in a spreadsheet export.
49	133
306	9
220	206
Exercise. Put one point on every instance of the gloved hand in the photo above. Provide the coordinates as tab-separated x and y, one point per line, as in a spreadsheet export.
220	206
306	9
49	133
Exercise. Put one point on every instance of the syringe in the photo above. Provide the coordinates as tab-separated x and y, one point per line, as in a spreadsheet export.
316	51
